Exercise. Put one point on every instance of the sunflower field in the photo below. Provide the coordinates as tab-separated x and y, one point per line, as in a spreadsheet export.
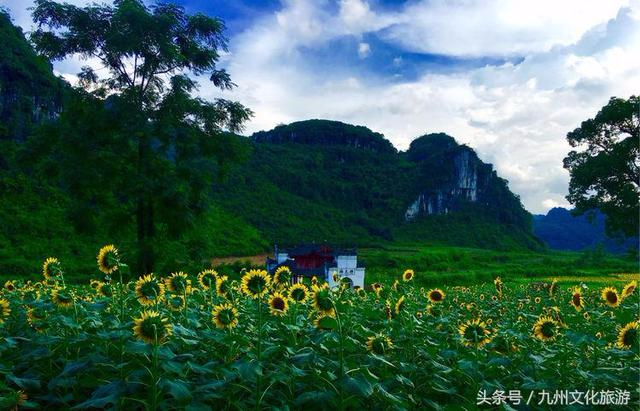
205	341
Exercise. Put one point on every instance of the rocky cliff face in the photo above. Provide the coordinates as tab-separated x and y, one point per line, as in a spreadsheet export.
29	92
451	177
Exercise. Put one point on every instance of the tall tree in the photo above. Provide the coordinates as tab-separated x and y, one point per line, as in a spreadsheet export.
160	141
605	172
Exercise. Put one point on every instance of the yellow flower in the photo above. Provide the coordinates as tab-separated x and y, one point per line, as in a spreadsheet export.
148	290
225	316
51	268
628	336
152	328
94	284
610	297
62	297
629	289
553	287
408	275
498	284
545	329
324	321
474	333
9	286
104	289
255	283
436	295
207	279
175	302
379	344
108	260
399	305
178	283
5	310
282	276
299	293
222	286
537	300
321	298
576	299
278	304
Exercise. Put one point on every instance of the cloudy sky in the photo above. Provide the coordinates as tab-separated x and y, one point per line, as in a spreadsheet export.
509	78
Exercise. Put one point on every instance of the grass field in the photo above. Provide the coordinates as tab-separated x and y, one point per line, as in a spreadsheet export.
192	342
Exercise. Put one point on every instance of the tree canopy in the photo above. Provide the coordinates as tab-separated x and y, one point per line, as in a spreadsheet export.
605	168
145	142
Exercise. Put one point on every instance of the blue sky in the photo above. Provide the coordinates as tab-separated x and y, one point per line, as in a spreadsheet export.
509	78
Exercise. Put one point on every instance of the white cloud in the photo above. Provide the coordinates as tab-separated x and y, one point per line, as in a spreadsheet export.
364	50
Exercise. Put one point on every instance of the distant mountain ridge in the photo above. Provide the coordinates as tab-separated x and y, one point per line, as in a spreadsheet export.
561	230
323	180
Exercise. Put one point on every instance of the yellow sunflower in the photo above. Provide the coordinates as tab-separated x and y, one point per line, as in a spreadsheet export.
51	268
324	321
314	280
175	302
299	293
9	286
408	275
436	295
321	298
377	288
546	329
178	283
474	333
152	328
5	310
62	297
610	297
207	279
576	299
278	304
628	336
108	259
225	316
222	286
498	284
553	288
94	284
282	277
104	289
629	289
148	290
379	344
399	305
255	283
537	300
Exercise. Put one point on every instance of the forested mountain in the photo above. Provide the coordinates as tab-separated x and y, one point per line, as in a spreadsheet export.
561	230
314	180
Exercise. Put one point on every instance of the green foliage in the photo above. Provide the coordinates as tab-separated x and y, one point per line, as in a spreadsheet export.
158	160
88	355
327	132
606	170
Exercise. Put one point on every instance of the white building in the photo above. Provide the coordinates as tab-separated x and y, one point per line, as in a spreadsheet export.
321	261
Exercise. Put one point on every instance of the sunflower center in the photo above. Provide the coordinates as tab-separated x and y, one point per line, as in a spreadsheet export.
576	300
436	296
256	284
630	338
547	329
298	294
612	297
278	304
